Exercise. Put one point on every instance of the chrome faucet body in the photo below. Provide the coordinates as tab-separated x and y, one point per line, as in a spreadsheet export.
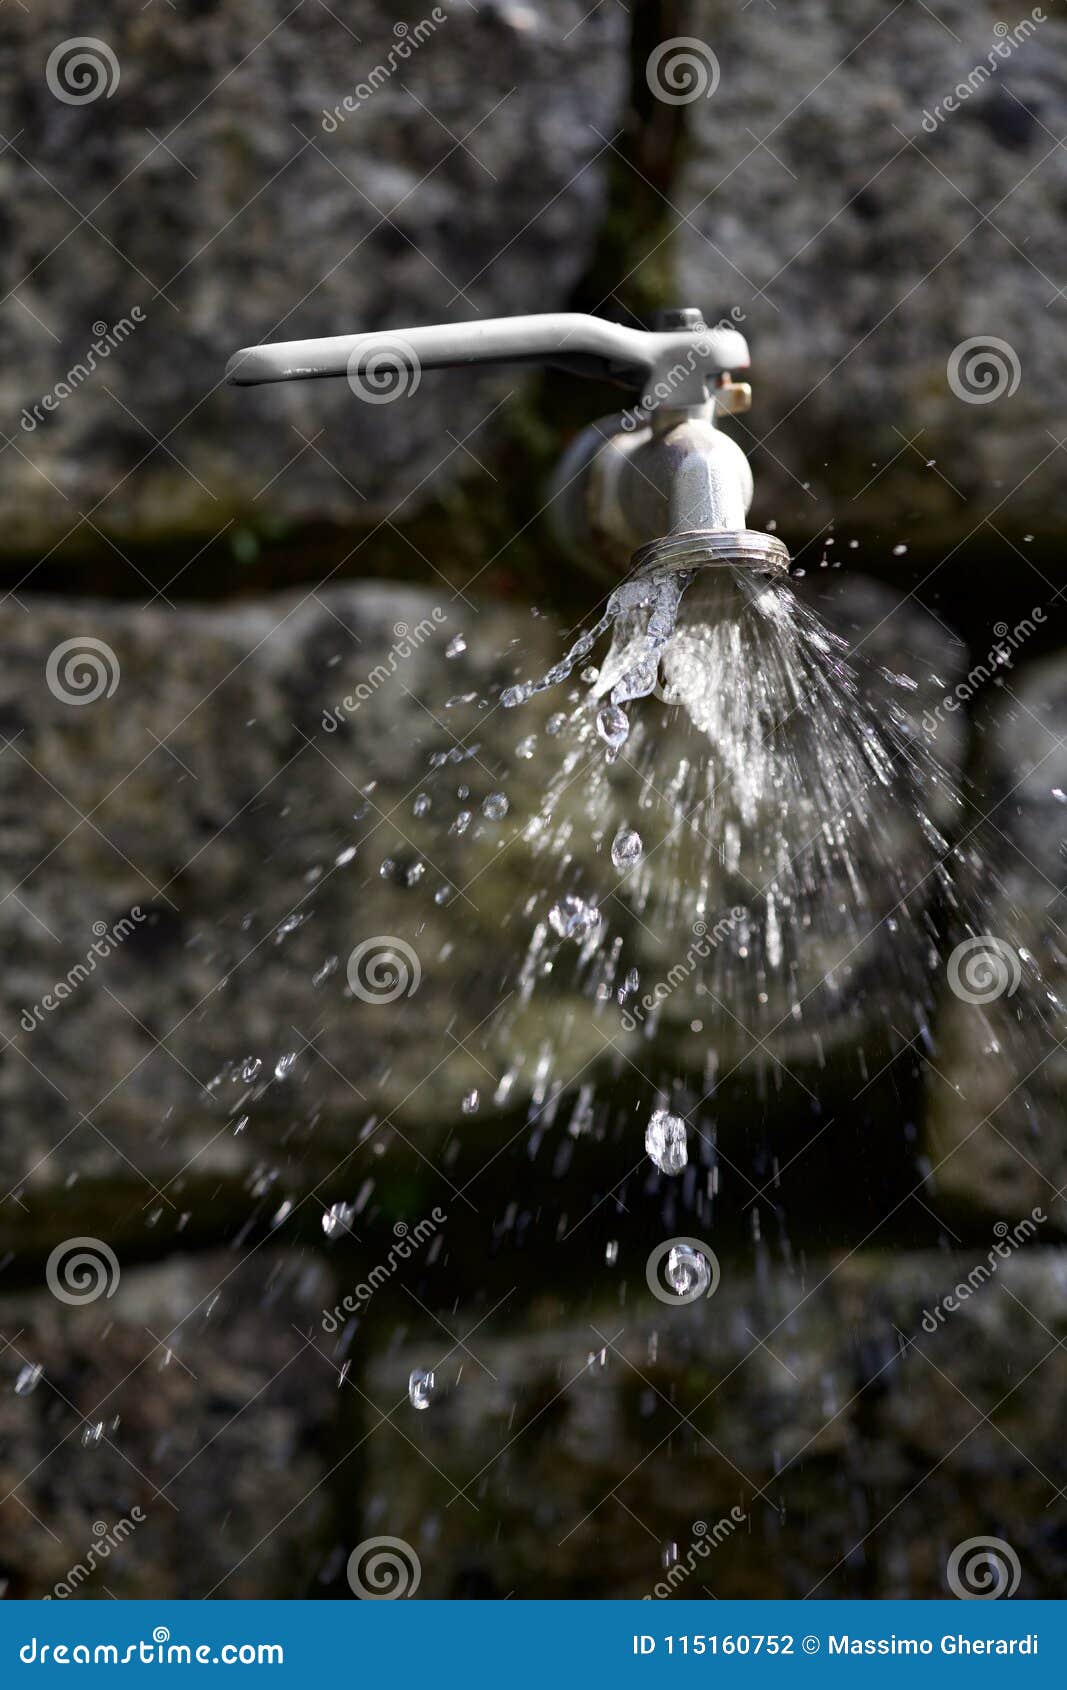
659	485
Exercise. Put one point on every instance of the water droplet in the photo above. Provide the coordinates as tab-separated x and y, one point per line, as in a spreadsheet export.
495	806
556	723
344	856
461	823
284	1065
421	804
456	646
526	747
611	1251
629	985
250	1069
613	726
572	917
687	1270
289	925
1059	795
511	696
92	1434
665	1141
29	1379
337	1219
470	1103
626	848
414	874
420	1388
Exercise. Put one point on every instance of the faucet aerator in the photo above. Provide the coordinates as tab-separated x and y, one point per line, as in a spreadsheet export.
704	548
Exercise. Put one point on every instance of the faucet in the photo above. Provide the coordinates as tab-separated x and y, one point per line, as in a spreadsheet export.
656	488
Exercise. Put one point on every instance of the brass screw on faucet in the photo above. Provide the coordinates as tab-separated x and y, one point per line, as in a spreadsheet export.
731	396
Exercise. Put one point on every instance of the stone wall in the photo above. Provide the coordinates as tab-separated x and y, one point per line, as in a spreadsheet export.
207	809
214	192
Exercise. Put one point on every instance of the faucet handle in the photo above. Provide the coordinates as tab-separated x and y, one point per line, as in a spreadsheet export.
678	362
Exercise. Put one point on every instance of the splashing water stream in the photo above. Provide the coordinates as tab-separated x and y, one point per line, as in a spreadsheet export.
747	867
723	873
